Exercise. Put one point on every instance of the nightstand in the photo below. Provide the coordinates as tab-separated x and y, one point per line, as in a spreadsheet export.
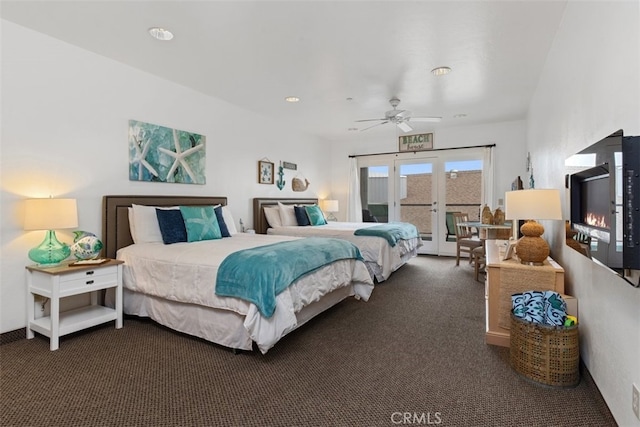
63	281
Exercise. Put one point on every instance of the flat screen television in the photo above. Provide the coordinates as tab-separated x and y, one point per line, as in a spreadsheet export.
604	185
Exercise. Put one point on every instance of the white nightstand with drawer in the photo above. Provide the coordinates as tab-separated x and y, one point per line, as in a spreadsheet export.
64	281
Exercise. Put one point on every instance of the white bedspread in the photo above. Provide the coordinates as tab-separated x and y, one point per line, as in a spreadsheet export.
375	250
186	272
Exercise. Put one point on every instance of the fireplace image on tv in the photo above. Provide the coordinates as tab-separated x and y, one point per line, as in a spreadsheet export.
593	213
604	191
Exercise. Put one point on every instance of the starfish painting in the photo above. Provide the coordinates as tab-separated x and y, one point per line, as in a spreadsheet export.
162	154
140	158
180	157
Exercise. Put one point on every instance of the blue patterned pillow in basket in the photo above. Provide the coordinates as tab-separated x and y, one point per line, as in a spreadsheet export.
543	307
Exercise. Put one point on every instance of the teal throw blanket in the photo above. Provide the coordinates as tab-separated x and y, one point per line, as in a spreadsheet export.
392	231
259	274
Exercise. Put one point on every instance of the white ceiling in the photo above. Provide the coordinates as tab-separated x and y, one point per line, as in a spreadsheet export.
254	53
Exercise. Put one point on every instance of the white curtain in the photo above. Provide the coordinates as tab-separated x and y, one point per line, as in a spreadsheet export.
487	177
354	205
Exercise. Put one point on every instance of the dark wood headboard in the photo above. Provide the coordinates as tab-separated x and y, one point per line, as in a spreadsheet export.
260	223
115	215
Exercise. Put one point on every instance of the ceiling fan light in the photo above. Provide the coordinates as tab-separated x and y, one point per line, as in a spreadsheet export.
440	71
161	34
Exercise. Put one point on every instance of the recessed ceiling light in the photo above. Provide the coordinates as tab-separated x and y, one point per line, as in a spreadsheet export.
440	71
160	34
292	99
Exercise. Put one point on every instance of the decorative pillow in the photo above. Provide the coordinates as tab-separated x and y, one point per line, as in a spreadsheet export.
287	215
529	306
228	220
272	214
221	223
145	223
555	309
316	217
301	215
171	226
201	223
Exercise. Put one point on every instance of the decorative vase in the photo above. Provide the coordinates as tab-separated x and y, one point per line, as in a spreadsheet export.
487	216
85	245
498	217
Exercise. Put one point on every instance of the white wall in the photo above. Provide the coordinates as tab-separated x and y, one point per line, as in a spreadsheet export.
509	155
590	88
65	114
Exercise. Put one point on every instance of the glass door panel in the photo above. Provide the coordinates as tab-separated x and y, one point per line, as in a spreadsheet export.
374	193
416	199
461	192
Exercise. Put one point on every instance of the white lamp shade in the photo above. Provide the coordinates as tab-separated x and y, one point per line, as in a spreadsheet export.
330	206
50	214
533	204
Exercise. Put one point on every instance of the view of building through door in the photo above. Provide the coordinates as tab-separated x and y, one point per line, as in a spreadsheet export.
374	193
424	191
416	198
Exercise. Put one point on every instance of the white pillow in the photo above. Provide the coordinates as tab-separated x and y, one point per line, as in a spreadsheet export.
145	224
228	220
132	228
272	213
287	215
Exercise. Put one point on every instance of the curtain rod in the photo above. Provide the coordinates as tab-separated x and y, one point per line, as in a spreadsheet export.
425	151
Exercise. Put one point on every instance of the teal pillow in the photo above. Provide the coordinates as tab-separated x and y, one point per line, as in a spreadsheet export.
201	223
316	217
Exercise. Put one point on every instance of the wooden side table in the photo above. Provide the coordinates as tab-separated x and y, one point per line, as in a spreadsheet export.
506	277
64	281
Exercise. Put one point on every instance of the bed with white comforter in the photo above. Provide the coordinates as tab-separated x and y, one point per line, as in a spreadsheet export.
174	284
381	258
278	216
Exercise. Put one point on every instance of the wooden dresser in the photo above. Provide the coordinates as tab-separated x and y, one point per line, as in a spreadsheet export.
508	277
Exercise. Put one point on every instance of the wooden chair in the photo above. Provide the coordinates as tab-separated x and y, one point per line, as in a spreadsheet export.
451	229
465	240
479	261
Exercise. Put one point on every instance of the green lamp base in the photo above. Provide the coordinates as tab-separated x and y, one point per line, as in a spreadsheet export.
50	252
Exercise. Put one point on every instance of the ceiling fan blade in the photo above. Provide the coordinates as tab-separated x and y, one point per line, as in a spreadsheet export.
377	124
404	126
370	120
426	119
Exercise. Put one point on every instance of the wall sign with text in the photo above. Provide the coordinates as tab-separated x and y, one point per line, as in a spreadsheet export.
419	142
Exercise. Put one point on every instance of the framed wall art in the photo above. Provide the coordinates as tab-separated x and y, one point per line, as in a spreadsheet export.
161	154
419	142
265	172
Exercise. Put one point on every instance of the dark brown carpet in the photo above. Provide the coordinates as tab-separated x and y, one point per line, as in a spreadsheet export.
417	347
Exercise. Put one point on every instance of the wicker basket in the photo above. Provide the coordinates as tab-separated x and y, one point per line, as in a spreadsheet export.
546	354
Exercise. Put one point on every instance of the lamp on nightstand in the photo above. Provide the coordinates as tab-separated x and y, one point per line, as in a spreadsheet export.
531	205
49	215
330	207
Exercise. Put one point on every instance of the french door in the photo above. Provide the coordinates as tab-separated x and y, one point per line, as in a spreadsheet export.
425	189
416	198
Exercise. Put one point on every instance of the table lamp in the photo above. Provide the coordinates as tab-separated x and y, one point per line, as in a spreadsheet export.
330	207
50	214
531	205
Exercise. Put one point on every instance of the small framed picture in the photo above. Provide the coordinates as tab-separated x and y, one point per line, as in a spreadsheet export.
265	172
510	251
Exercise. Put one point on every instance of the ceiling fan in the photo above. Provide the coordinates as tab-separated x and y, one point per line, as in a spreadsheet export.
399	117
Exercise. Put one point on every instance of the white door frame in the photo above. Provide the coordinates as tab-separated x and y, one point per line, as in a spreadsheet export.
439	159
